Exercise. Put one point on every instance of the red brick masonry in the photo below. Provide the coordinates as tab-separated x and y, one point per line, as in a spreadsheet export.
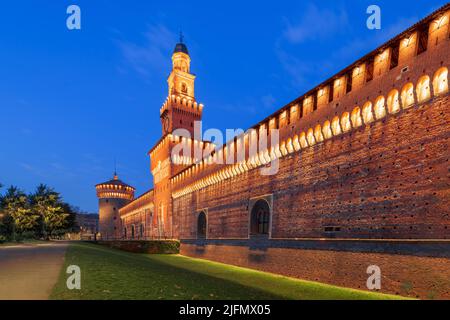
411	274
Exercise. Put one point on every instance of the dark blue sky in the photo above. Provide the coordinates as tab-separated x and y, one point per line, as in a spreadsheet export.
71	101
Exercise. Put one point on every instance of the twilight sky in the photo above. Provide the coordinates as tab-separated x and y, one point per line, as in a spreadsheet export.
72	101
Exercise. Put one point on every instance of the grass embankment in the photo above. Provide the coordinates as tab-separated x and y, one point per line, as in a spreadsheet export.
112	274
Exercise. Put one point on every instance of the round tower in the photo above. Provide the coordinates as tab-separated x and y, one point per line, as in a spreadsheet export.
112	195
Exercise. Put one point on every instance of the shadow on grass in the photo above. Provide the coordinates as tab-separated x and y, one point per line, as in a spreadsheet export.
113	274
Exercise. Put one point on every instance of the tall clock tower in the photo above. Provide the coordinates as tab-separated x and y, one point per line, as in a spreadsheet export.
179	111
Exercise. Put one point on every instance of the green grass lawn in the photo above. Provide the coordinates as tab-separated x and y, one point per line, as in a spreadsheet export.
112	274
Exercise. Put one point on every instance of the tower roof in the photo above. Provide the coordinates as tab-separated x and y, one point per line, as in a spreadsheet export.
180	46
116	182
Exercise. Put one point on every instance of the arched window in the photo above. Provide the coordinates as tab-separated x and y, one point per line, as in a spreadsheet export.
132	232
336	126
318	133
380	109
326	129
367	113
345	122
201	225
423	89
260	218
184	88
310	137
408	95
440	81
356	117
393	103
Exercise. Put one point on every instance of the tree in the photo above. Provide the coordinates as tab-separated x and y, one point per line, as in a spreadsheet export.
16	205
46	203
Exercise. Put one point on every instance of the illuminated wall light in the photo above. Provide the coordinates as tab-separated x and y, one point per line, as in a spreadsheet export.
318	136
283	149
408	95
393	103
310	137
380	110
367	113
356	117
440	81
297	146
273	155
345	122
407	41
303	141
326	130
278	151
290	146
423	90
357	71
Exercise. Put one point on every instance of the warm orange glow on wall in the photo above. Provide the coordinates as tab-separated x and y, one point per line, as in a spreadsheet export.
367	113
393	102
318	133
408	95
326	129
380	110
440	81
310	137
336	126
356	117
423	89
345	122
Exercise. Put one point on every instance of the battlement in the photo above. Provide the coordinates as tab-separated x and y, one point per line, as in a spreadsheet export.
389	79
145	200
182	104
114	189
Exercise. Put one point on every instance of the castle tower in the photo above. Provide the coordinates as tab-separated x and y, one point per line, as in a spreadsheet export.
112	195
180	109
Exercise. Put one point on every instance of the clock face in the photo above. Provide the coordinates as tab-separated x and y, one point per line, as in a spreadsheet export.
166	123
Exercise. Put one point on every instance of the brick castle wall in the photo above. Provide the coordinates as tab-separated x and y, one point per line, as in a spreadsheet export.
388	179
407	275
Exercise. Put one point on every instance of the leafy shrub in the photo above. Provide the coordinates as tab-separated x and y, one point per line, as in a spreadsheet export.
149	247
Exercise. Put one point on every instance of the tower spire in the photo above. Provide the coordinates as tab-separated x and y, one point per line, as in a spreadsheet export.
181	37
116	177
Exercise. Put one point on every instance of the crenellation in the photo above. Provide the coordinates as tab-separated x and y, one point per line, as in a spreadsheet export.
363	155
